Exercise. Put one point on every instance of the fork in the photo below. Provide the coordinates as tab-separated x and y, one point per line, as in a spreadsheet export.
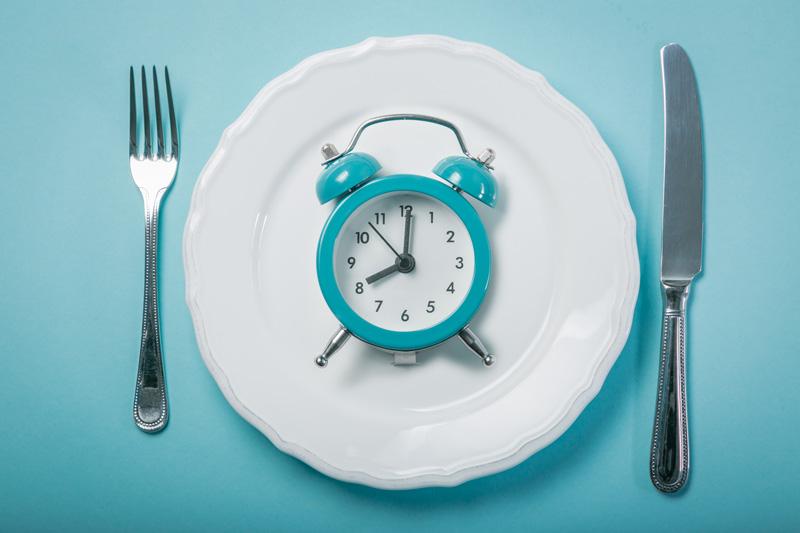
153	172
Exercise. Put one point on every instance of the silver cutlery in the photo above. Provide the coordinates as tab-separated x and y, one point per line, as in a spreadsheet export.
681	261
153	172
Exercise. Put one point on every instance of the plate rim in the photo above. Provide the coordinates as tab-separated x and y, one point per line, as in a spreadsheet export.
529	444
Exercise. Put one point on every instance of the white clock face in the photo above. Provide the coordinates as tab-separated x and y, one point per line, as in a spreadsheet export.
402	289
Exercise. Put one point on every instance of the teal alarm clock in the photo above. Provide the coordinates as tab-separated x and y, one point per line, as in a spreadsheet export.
404	261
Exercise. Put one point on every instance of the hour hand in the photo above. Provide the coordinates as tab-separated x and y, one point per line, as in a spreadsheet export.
383	273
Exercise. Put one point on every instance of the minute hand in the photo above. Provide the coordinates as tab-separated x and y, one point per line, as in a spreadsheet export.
407	235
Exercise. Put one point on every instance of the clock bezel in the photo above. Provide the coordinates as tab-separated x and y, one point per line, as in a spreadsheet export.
403	340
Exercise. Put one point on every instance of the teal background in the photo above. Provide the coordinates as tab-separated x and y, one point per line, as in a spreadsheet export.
71	270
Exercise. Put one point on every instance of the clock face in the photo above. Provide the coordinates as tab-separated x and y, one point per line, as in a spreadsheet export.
398	286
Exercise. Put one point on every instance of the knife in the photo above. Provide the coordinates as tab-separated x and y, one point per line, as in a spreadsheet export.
681	261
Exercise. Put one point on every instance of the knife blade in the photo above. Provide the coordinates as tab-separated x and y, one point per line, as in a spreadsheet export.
682	242
681	261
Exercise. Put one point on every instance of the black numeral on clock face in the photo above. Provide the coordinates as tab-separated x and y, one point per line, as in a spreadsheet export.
431	307
459	262
451	236
362	237
406	210
351	261
380	218
404	315
359	287
451	288
380	303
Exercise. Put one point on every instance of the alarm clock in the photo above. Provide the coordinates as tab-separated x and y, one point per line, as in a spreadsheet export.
403	260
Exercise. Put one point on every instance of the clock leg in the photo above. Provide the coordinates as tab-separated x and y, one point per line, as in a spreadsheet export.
334	344
476	346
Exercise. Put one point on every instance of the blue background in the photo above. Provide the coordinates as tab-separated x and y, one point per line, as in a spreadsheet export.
71	269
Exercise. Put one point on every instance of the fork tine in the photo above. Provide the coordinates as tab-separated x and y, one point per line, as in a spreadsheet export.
133	150
148	142
157	105
173	126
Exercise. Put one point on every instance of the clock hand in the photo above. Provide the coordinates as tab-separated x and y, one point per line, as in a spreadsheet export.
407	234
383	239
404	263
383	273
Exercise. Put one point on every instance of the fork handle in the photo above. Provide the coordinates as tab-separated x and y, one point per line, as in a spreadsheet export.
669	453
150	400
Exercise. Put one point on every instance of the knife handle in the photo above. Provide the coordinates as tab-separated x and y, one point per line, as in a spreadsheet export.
669	453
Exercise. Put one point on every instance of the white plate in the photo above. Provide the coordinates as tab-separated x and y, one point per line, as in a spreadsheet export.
564	281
